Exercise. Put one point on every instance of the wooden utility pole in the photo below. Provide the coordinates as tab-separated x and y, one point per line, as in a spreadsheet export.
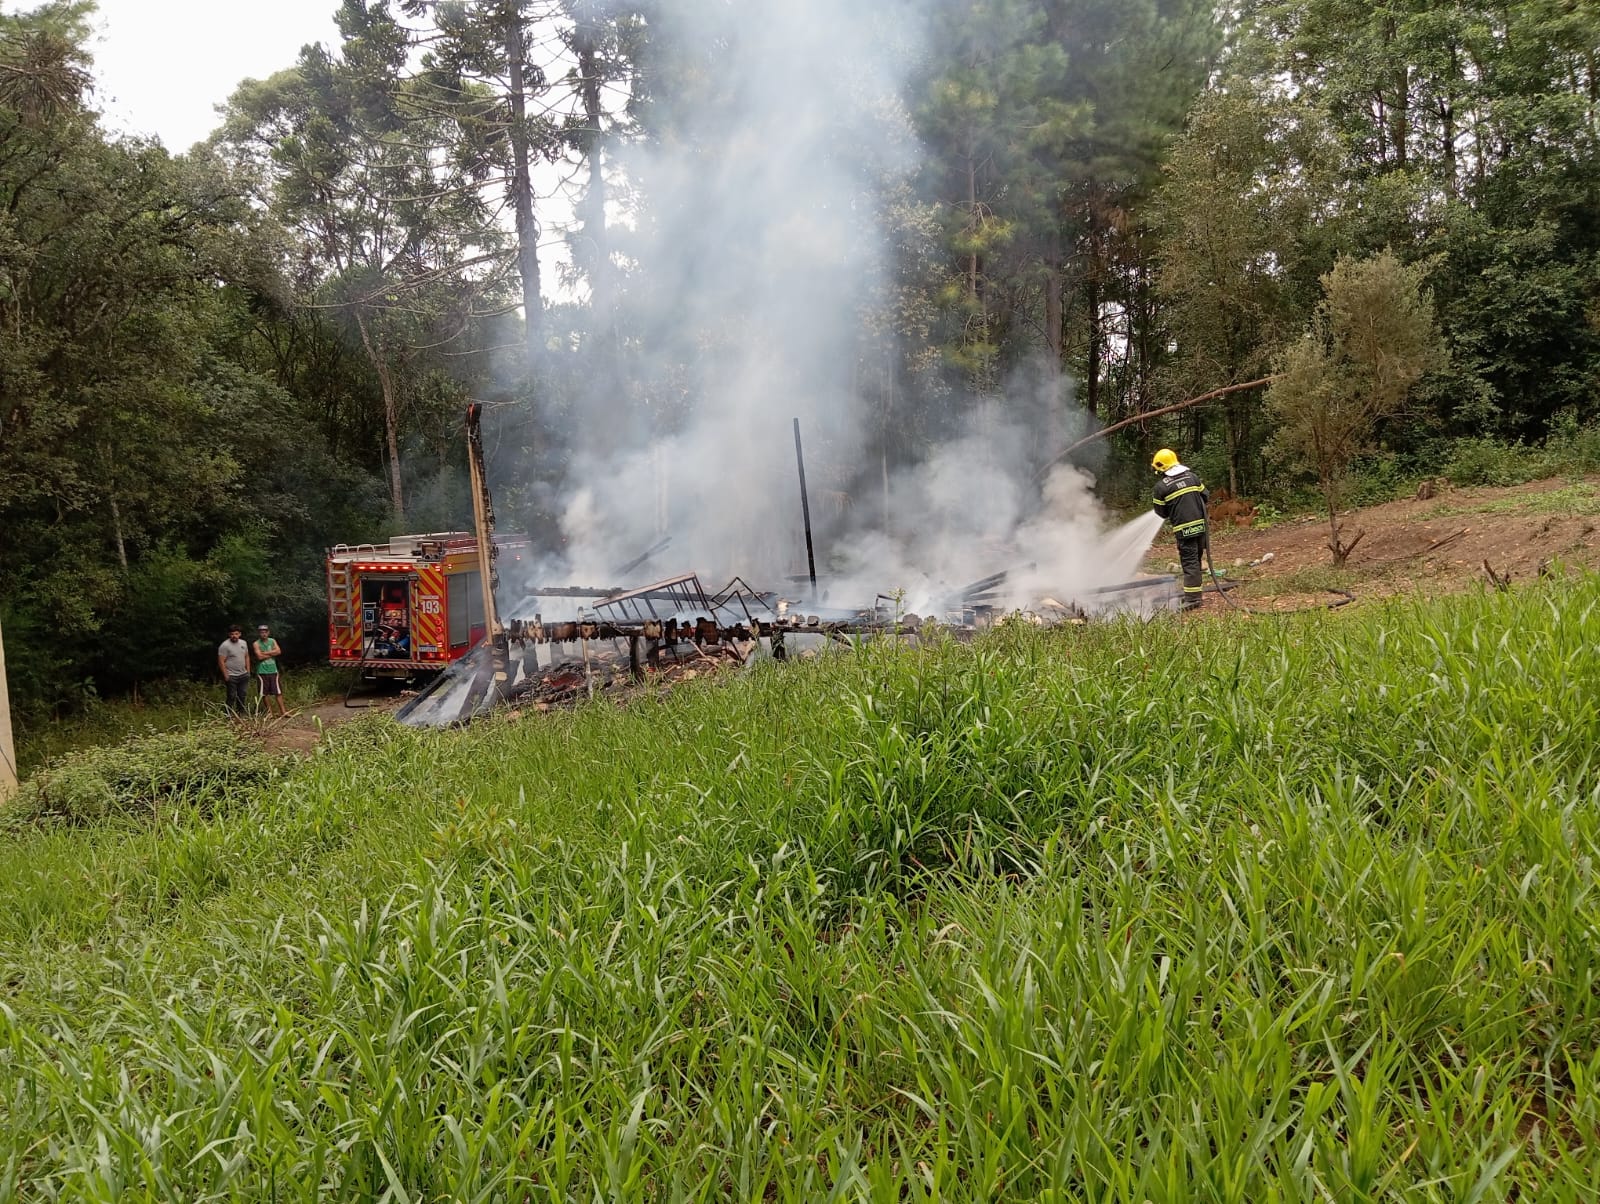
8	752
494	635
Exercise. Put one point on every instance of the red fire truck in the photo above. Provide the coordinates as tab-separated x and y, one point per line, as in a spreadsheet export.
414	604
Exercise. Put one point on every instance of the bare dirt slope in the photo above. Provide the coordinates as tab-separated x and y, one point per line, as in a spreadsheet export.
1437	545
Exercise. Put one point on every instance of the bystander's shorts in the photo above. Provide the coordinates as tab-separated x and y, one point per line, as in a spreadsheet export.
270	685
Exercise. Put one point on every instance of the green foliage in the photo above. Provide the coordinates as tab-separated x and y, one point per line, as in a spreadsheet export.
1381	477
143	778
1014	921
1467	138
1570	450
1372	338
343	151
1043	129
111	444
1267	515
1232	212
177	443
1489	461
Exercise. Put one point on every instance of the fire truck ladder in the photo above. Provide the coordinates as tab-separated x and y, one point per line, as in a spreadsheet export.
342	610
340	607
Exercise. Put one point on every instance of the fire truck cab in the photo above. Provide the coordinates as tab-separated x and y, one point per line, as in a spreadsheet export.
409	606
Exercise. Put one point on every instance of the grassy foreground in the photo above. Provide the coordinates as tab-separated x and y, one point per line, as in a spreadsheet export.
1246	911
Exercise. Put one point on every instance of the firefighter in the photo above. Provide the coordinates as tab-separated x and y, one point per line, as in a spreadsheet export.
394	628
1181	499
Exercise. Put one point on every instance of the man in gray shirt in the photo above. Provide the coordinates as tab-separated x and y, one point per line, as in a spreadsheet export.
233	660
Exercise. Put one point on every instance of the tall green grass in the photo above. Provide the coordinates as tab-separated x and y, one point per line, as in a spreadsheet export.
1244	911
162	707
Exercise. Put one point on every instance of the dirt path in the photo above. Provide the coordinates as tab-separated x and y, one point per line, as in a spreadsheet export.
303	729
1551	525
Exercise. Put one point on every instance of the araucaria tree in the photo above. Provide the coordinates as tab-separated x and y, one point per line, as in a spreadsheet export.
1372	337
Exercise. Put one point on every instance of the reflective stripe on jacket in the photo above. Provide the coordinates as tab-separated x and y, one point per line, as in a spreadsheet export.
1181	499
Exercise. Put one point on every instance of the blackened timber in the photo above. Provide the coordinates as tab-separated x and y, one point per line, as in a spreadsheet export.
993	581
805	510
701	630
573	591
1142	583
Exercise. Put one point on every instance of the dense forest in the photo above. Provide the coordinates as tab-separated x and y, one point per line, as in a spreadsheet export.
215	362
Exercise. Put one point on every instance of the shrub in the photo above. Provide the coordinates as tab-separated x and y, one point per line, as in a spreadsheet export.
1377	479
201	767
1486	461
1572	448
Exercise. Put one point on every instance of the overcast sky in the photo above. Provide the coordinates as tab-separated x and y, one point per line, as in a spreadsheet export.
161	66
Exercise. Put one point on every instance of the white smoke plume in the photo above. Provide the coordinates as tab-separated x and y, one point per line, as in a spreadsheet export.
755	252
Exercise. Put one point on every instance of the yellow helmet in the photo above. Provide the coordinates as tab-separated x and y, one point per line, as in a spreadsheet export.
1163	459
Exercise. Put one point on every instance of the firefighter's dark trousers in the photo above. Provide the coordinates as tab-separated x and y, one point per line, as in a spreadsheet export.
1191	548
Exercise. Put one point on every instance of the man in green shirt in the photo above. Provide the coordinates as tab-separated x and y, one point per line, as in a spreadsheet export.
267	652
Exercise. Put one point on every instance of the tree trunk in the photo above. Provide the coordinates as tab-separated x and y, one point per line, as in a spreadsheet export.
1231	431
1447	119
1334	545
972	217
1054	323
1141	317
586	42
391	417
1091	384
1401	110
116	531
1332	493
522	195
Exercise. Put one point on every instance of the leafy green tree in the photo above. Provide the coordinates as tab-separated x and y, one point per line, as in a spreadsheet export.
161	470
1371	340
392	240
111	438
1471	140
43	67
1240	186
990	91
1046	122
605	39
1136	67
484	73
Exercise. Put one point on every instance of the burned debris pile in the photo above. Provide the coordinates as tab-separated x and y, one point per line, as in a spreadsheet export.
609	671
675	630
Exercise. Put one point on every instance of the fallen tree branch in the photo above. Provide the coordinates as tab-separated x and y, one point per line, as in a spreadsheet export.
1148	414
